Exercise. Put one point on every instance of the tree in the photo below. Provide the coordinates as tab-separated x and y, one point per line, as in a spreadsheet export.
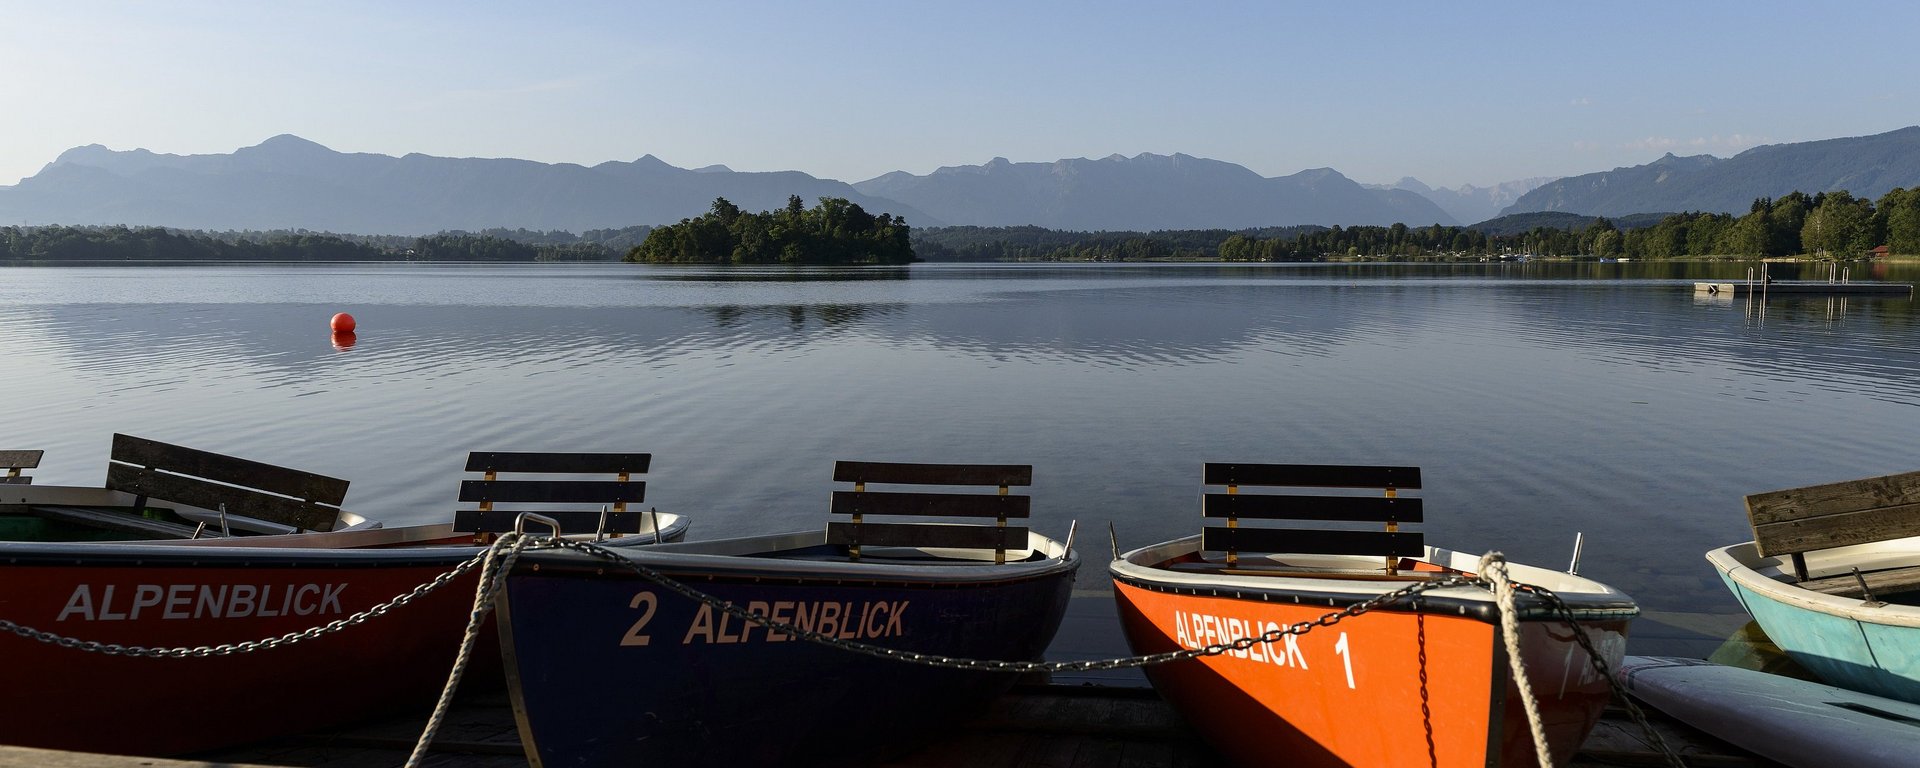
1840	225
1900	218
837	231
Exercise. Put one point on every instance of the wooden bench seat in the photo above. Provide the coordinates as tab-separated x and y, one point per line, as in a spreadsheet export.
1796	521
1234	507
153	470
1881	583
613	518
14	461
858	503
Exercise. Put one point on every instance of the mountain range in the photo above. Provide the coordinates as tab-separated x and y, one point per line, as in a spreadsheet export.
1146	192
1867	166
287	182
1468	203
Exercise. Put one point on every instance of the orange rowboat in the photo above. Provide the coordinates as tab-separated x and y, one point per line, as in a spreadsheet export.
1424	681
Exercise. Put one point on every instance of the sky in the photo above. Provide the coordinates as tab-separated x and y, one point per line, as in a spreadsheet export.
1450	93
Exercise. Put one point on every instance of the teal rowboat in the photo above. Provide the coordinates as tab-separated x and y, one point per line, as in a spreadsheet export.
1826	622
1833	576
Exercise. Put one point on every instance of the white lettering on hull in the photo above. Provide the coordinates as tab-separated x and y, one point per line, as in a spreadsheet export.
200	601
846	621
1192	630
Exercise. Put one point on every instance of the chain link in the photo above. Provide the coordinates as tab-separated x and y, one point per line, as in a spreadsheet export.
511	546
1556	605
229	649
949	662
1605	670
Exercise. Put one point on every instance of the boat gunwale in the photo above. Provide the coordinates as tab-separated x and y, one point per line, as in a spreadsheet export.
1743	564
1138	568
367	544
749	557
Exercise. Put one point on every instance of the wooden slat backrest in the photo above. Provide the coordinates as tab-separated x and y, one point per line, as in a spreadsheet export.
1350	509
930	504
1312	475
613	494
14	461
860	502
1799	520
909	535
1234	507
932	474
153	469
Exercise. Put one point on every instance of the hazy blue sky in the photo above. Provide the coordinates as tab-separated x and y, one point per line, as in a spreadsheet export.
1448	92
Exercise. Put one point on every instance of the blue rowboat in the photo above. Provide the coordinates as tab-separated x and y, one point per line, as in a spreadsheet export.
1833	577
608	668
608	665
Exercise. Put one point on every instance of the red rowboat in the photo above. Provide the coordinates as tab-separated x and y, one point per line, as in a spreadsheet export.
1423	682
100	585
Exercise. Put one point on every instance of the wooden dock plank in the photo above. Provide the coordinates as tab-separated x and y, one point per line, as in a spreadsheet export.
1047	726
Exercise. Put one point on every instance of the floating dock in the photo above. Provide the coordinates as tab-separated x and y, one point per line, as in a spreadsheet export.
1056	726
1804	288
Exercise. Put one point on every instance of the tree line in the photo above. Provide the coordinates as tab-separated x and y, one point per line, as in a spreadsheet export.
836	231
1827	225
119	243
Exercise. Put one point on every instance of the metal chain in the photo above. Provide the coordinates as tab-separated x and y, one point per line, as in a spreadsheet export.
1557	605
1605	670
512	546
949	662
229	649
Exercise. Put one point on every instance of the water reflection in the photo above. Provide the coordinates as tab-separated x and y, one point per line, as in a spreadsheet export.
1620	406
776	274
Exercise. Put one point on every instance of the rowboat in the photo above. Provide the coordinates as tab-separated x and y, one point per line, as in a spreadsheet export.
1423	681
165	557
608	663
1833	577
1797	723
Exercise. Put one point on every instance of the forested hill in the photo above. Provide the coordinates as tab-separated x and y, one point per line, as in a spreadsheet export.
835	232
1518	223
1866	166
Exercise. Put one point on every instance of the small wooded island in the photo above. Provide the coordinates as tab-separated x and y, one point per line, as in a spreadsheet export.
837	231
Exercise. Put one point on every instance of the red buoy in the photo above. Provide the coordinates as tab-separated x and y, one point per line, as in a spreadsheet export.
343	323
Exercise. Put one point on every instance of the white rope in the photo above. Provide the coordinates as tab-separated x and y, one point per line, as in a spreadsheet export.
1493	568
493	573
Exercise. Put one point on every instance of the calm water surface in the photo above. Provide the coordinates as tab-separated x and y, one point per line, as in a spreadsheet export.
1539	400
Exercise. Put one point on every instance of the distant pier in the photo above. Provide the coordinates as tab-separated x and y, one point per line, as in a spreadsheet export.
1804	288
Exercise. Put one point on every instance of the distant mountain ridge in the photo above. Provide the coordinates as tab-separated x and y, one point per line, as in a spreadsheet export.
1468	203
1867	166
1146	192
288	182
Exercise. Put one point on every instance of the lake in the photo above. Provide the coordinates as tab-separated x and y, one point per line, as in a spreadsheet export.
1539	400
